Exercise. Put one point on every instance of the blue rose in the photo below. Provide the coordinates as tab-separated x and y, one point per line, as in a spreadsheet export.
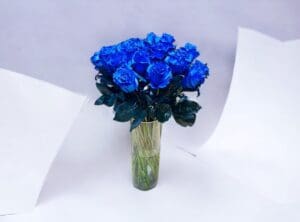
180	60
108	59
159	75
126	79
96	60
167	38
196	75
140	61
130	46
160	46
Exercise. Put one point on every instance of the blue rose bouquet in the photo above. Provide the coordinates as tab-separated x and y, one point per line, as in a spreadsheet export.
145	81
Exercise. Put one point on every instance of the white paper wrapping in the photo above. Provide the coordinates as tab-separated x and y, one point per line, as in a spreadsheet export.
257	139
35	116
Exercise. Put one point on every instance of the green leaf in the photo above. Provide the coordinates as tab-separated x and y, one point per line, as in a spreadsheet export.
106	79
125	111
139	117
103	89
147	98
121	96
163	112
187	106
99	101
184	112
109	100
185	120
117	103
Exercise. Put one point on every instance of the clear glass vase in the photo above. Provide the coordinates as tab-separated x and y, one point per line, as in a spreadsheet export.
145	141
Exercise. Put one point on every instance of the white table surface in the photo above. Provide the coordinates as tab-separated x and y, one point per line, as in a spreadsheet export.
90	179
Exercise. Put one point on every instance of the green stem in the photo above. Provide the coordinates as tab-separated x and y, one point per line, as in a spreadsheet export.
145	154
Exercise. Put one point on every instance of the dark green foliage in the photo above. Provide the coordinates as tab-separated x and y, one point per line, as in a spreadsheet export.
175	88
100	100
125	111
139	117
148	104
187	119
151	114
184	112
109	100
163	112
103	89
106	99
187	106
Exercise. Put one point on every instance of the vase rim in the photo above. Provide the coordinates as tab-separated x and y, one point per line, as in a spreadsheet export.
150	121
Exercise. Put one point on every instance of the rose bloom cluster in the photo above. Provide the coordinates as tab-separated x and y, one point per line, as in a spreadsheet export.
153	61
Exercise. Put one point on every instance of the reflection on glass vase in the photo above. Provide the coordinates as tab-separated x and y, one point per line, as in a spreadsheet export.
145	141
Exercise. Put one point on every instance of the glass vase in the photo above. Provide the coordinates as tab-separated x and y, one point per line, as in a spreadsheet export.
145	141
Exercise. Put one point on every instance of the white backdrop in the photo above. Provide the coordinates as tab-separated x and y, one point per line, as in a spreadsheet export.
53	40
